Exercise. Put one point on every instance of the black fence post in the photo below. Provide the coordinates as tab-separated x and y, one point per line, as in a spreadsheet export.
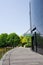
32	43
36	41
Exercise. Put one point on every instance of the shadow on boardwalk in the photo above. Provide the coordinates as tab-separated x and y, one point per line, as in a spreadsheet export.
22	56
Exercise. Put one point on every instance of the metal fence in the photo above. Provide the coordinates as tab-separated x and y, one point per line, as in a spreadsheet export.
6	60
37	42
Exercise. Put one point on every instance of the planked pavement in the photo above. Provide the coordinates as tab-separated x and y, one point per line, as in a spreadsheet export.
22	56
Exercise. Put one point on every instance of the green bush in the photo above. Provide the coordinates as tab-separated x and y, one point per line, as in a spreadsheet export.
20	44
28	45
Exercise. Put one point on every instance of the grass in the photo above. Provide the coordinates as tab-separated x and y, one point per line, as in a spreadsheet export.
3	51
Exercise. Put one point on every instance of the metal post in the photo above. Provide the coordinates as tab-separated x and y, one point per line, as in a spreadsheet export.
32	43
36	41
9	58
30	17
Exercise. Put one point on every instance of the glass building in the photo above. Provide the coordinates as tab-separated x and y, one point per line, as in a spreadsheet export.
37	14
37	20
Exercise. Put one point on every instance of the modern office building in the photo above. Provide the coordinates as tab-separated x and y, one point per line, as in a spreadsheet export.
37	20
37	14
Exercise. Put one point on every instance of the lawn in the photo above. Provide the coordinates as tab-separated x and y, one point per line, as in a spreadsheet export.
3	51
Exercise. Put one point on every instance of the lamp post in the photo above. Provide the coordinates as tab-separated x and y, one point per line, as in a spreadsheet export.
30	17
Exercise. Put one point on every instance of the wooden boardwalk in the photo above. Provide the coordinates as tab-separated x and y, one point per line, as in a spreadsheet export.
22	56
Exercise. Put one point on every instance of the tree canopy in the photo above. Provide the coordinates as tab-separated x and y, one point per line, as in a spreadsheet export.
11	40
3	39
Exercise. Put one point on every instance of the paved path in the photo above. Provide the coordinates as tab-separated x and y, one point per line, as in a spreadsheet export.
22	56
0	62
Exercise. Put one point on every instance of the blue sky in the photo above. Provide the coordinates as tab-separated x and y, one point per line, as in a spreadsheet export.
14	16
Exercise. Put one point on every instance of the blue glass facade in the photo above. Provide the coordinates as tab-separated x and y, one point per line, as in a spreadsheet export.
37	21
37	14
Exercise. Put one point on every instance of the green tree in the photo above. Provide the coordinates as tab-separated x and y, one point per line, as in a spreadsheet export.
13	39
25	40
3	40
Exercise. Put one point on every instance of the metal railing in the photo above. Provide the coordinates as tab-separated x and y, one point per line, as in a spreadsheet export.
38	42
7	58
